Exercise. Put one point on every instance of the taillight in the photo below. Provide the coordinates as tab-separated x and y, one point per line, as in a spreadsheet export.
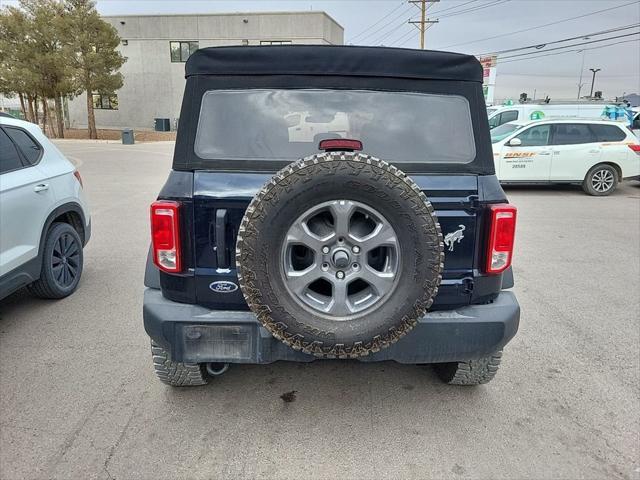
501	236
165	235
76	174
635	148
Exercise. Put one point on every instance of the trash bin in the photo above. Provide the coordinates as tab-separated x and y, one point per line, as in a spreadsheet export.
127	136
162	125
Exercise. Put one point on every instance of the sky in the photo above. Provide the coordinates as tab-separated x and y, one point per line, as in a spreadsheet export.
464	26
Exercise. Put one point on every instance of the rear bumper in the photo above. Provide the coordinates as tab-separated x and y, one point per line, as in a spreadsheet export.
195	334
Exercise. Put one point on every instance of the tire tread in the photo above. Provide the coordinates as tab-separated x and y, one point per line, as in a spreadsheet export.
176	374
472	372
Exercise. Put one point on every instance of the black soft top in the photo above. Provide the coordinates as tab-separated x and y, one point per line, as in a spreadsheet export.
334	60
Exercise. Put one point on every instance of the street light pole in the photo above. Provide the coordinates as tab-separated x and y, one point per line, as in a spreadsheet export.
593	80
580	84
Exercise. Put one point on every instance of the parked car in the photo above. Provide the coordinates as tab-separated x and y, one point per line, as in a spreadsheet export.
535	111
267	249
44	218
597	154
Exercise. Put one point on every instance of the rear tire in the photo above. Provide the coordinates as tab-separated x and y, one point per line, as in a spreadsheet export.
62	262
601	180
177	374
473	372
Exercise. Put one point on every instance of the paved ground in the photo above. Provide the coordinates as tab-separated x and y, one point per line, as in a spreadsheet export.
79	399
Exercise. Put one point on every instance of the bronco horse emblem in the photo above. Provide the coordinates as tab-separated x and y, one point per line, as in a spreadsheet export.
451	238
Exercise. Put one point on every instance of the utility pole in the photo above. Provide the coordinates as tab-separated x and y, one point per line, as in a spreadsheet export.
424	22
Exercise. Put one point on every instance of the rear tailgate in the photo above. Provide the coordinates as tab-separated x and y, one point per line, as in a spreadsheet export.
220	199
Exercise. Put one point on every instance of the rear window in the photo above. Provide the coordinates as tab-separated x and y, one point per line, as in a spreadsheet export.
572	134
286	124
607	133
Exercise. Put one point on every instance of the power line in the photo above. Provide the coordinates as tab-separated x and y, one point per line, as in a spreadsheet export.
572	45
389	34
547	75
474	9
544	45
403	39
541	26
394	29
454	7
394	21
379	21
569	51
406	37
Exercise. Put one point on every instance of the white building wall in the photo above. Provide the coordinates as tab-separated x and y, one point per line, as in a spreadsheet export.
153	85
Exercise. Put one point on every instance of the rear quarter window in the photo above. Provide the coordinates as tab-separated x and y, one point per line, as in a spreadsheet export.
9	158
30	149
608	133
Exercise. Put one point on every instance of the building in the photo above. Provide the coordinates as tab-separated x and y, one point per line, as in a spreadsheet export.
156	47
10	106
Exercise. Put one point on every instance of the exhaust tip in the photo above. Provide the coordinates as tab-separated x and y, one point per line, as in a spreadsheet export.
216	368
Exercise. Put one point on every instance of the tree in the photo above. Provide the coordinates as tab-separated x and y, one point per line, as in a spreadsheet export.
15	78
33	57
92	44
48	55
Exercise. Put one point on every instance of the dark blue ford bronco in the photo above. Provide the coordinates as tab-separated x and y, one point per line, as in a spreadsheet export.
331	202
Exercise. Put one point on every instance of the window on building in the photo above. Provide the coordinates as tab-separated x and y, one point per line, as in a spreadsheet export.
275	42
105	102
180	51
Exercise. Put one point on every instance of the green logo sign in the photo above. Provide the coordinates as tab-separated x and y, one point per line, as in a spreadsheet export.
537	115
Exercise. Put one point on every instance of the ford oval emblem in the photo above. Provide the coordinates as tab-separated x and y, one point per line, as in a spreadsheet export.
223	286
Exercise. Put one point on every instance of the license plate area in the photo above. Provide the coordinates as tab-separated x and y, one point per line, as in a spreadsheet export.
202	343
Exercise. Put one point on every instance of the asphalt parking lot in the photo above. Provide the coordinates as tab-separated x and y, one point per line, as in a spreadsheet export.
79	398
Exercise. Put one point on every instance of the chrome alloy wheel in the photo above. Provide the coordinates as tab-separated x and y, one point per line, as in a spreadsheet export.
602	180
340	258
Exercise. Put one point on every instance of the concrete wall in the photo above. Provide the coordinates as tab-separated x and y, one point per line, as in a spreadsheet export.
153	85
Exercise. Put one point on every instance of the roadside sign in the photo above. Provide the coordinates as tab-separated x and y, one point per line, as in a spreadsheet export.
489	64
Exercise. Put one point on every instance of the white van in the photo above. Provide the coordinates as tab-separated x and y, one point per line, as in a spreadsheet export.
499	115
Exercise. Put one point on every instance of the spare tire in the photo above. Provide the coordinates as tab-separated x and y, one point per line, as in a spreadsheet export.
339	255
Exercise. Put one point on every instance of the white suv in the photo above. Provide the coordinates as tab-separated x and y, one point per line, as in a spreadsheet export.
44	219
594	153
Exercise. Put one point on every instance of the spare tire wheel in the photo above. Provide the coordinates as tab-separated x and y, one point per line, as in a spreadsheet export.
339	255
